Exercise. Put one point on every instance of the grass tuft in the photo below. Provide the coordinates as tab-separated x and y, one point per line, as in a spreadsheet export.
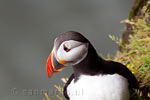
136	54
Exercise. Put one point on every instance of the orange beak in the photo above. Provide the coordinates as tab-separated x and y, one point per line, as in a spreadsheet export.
49	67
53	66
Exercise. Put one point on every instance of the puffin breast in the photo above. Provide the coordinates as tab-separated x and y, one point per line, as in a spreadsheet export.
99	87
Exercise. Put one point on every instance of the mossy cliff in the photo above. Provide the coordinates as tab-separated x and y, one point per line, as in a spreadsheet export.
135	48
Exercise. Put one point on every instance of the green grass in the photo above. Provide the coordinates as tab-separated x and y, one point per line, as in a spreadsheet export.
136	54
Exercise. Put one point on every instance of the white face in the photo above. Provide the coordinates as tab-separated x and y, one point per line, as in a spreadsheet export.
72	51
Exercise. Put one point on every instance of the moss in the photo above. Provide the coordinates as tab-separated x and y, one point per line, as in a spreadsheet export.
136	54
135	8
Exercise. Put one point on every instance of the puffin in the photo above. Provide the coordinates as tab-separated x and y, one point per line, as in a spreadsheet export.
93	78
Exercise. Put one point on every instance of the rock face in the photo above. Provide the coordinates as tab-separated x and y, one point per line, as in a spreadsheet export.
134	13
135	50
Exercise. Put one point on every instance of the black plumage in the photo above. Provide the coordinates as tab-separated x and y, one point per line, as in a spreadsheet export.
94	64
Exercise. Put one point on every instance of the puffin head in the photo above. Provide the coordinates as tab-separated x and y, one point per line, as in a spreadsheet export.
70	48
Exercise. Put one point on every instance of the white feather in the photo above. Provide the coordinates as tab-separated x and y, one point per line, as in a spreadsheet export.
100	87
77	53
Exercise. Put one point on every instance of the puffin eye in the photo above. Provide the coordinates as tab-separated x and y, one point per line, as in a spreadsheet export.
66	49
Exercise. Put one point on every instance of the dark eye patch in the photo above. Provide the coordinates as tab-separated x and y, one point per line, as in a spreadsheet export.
66	48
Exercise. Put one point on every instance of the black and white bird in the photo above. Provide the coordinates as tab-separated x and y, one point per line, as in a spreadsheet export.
93	78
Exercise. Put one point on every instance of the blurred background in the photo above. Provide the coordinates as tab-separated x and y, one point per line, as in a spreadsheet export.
28	29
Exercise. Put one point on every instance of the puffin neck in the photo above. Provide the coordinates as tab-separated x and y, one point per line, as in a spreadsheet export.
90	65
